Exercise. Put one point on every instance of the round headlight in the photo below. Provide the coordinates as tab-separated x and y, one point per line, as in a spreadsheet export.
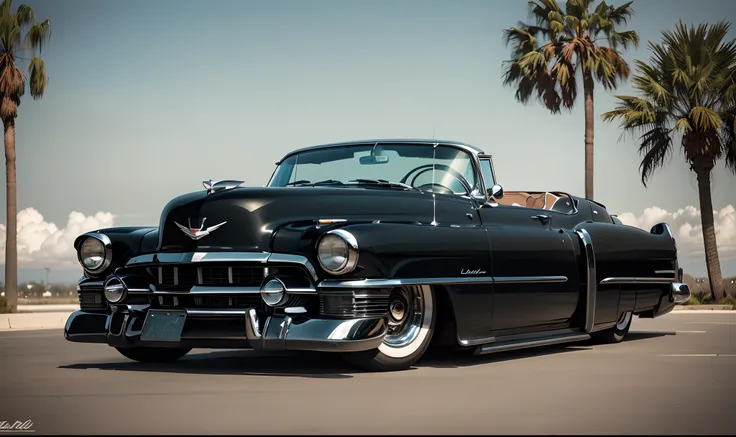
273	292
337	252
94	255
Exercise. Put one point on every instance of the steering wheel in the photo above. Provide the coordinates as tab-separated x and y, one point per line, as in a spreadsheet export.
430	186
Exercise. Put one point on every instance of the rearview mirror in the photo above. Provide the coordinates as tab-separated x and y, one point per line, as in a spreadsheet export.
496	192
373	159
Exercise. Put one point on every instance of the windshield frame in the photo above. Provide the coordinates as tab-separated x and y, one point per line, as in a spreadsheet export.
478	191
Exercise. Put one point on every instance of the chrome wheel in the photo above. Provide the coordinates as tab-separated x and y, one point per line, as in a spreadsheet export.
410	314
623	321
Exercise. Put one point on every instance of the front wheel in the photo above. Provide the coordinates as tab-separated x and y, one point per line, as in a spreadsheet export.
411	320
153	354
618	332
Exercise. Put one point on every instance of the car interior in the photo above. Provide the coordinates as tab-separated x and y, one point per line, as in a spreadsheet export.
558	202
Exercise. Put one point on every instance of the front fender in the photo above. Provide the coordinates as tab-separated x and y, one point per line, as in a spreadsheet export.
398	250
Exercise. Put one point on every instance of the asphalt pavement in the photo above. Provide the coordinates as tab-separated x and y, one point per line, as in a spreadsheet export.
674	375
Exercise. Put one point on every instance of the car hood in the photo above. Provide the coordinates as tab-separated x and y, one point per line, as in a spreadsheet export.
245	219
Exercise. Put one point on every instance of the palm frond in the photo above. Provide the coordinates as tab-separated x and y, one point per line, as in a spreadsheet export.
728	139
623	39
621	14
705	118
656	148
39	34
37	70
609	66
648	83
24	15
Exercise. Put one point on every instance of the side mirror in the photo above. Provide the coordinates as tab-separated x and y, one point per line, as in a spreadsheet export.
496	192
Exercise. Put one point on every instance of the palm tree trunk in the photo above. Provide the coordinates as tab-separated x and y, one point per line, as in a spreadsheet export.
709	233
11	231
588	86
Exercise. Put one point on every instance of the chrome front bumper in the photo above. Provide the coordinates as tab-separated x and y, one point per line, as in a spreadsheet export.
280	332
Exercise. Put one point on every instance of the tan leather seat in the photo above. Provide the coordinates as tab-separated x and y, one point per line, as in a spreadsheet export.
530	200
514	197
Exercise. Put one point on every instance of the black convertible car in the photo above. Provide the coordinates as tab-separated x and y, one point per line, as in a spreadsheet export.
377	250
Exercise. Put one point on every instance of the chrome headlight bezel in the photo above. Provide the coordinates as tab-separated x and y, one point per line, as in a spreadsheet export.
350	246
104	240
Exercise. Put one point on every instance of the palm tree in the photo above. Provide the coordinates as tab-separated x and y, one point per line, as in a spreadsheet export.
580	39
687	92
18	33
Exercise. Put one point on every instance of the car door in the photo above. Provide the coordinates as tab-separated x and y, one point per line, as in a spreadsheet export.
533	262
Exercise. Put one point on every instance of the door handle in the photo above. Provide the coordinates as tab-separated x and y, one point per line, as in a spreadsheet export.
541	217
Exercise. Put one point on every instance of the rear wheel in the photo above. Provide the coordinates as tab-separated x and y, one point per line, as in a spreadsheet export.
618	332
153	354
411	322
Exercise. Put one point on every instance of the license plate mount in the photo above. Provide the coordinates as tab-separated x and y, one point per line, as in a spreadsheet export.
163	325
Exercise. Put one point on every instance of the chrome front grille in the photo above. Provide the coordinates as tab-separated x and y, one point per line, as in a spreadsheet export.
209	301
353	305
186	275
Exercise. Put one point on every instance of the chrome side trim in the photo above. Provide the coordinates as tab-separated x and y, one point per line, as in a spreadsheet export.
528	279
627	280
590	285
383	283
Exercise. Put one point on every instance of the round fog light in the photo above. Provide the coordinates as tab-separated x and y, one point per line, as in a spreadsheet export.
273	292
114	290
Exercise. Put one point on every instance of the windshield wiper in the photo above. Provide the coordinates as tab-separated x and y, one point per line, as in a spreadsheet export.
385	183
306	182
300	182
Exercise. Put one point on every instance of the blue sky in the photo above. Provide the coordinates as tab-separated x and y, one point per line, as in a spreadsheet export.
148	98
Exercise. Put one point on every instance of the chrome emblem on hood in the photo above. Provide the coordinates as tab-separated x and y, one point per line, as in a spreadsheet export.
197	233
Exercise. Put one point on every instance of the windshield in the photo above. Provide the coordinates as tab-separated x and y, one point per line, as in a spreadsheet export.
442	169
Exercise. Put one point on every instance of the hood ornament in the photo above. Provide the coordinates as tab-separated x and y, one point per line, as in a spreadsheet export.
215	186
197	233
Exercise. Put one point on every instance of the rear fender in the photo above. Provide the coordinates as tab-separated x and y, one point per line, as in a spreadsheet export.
630	270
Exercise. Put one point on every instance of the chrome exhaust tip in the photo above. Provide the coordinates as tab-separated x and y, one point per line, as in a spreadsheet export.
680	293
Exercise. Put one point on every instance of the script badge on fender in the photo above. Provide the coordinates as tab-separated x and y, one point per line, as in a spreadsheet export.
197	233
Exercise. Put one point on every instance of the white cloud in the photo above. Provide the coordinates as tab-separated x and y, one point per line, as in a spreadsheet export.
685	225
43	244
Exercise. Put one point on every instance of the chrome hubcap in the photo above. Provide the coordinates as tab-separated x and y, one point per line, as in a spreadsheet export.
405	315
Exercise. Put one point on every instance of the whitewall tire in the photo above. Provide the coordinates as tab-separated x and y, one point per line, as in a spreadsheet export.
412	316
618	332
